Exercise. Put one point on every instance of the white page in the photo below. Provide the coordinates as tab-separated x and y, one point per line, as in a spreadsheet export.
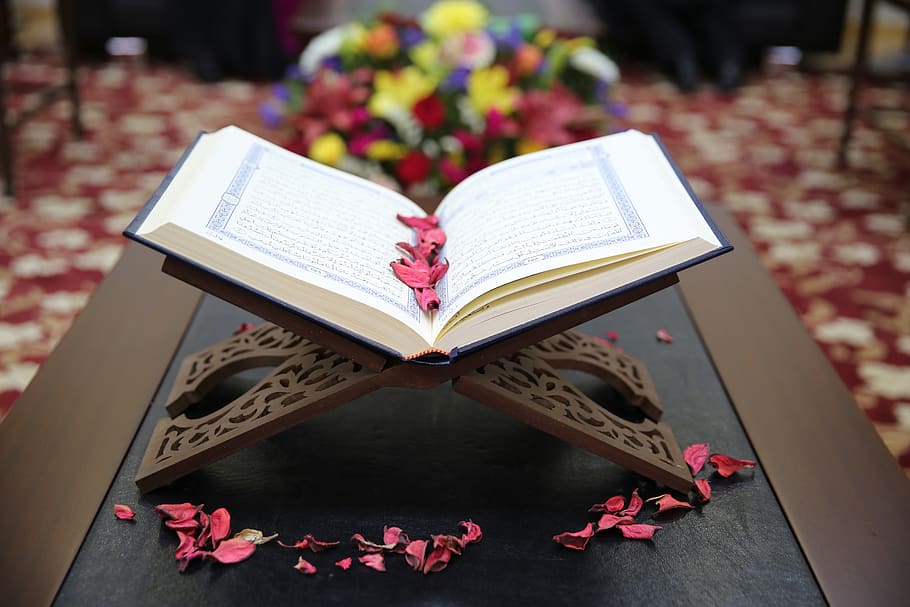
577	203
309	221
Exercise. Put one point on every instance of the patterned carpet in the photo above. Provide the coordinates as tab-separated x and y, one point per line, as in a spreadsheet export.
837	242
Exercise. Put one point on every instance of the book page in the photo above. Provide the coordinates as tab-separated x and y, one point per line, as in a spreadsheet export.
309	221
587	201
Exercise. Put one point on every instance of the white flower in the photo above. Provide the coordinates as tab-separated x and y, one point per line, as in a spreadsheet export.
594	63
324	45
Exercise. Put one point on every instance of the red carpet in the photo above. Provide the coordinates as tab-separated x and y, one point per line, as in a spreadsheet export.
837	242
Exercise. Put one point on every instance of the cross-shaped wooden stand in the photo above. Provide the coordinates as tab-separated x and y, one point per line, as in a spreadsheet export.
316	369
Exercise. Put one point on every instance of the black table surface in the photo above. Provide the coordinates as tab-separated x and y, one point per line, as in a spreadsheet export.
425	460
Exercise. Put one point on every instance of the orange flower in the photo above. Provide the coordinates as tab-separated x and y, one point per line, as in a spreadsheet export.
382	41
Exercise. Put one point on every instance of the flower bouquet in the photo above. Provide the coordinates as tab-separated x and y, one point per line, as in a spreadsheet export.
418	104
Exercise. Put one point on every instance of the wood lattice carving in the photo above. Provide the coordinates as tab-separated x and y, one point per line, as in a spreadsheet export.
309	379
526	387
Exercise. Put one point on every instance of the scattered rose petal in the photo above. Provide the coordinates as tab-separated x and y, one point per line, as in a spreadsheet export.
473	532
233	550
608	521
311	543
304	566
184	524
220	521
373	561
663	336
427	299
635	504
432	239
576	540
703	490
124	513
727	466
244	327
696	455
449	542
205	530
414	273
638	531
177	512
415	554
255	536
667	502
419	223
438	560
613	336
612	505
396	537
365	545
184	562
186	547
344	563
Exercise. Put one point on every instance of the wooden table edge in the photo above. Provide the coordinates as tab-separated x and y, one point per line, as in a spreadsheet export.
64	441
843	493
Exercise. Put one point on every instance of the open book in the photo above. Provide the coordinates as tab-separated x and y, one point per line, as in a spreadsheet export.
527	238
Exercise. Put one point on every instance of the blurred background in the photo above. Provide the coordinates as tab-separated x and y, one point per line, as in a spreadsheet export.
768	106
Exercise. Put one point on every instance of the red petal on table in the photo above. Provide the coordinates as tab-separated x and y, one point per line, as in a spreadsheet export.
667	502
396	537
703	490
344	563
414	273
638	531
186	547
696	455
184	562
576	540
365	545
373	561
635	504
663	336
613	336
419	223
177	512
415	554
244	327
612	505
473	532
608	521
124	513
205	533
728	466
427	299
233	550
438	560
449	542
318	545
304	566
184	524
221	525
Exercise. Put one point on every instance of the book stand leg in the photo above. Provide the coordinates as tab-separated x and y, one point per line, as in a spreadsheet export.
309	379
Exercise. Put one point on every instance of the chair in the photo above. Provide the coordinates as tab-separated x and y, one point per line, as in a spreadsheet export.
65	10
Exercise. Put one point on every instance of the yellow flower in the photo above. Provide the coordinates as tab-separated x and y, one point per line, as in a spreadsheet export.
399	91
354	40
526	145
384	149
454	17
425	55
545	37
328	149
580	42
489	88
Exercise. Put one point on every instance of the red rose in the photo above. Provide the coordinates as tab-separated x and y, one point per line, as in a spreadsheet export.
430	111
414	167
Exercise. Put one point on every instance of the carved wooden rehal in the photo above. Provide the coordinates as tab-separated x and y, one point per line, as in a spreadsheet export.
308	379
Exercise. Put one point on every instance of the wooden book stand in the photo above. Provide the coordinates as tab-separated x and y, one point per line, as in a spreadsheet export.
316	369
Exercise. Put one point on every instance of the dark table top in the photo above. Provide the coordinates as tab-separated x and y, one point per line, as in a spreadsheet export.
822	518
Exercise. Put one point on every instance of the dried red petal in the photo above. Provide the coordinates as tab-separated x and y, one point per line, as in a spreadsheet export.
244	327
612	505
184	562
696	455
667	502
437	271
186	547
576	540
233	550
304	566
373	561
205	529
608	521
613	336
473	532
365	545
663	336
318	545
703	490
417	252
438	560
415	554
124	513
344	563
728	466
221	525
434	238
414	273
396	537
184	524
635	504
177	512
449	542
419	223
638	531
427	299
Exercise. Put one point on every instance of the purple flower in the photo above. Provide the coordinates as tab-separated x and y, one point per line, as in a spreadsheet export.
280	92
457	80
412	36
333	63
293	72
270	115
